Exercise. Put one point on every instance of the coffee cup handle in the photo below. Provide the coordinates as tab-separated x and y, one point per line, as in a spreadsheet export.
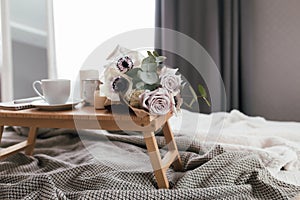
36	91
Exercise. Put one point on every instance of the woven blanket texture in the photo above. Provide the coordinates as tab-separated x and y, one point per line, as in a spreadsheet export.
101	165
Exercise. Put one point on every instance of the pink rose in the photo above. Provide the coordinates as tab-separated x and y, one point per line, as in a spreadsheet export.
158	102
170	81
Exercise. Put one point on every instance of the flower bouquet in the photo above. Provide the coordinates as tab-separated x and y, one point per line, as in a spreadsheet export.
143	83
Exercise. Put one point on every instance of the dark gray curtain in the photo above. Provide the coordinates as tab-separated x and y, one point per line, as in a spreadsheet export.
215	24
255	45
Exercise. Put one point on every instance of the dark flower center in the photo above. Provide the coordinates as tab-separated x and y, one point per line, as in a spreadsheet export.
125	64
120	84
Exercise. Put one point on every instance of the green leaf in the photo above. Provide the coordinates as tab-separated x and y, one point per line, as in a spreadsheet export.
148	77
149	67
136	79
206	101
160	59
133	72
149	54
203	94
151	87
149	59
202	91
155	54
140	85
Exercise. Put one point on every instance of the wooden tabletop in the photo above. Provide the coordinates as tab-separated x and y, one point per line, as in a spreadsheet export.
87	113
82	112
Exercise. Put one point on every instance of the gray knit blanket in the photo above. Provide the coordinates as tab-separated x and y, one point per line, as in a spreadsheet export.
101	165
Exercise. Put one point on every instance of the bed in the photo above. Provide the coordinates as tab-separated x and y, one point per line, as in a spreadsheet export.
225	156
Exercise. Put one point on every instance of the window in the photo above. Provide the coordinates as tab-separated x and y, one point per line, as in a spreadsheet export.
82	25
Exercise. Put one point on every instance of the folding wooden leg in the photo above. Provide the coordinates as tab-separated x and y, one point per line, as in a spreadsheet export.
155	160
159	165
1	132
172	147
31	141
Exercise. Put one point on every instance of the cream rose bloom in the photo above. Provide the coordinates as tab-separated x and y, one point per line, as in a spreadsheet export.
157	102
170	81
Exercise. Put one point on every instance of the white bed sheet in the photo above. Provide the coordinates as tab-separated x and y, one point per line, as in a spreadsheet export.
276	143
291	177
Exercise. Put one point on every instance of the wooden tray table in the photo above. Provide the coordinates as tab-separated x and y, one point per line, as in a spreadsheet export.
89	118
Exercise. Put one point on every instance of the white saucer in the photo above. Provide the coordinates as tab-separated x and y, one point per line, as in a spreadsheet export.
42	105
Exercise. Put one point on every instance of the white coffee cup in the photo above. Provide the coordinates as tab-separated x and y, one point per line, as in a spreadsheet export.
55	91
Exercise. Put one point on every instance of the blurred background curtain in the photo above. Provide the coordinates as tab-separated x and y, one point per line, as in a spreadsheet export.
216	26
254	44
